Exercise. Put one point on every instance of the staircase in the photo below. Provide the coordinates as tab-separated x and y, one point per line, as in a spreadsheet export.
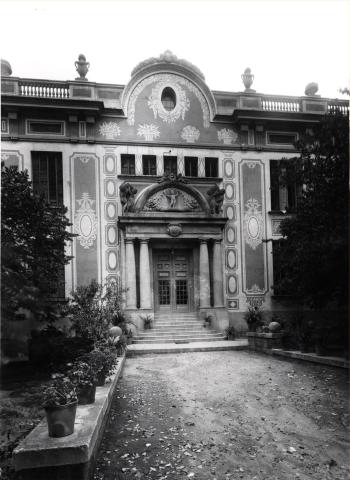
177	328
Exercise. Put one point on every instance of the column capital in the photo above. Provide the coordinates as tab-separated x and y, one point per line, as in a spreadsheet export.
129	240
144	240
203	240
217	240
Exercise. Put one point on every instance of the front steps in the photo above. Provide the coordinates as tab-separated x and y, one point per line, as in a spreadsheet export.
177	328
179	333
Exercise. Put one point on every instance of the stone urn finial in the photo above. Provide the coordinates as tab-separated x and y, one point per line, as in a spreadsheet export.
82	67
6	69
247	78
311	89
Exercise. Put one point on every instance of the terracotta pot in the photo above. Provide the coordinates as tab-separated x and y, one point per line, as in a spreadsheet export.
86	394
60	419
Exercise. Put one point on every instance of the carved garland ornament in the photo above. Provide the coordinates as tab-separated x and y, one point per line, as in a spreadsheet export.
190	134
85	221
253	223
180	109
171	199
110	130
172	81
227	136
148	131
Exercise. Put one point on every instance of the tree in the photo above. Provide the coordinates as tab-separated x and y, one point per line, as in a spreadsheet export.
314	249
34	236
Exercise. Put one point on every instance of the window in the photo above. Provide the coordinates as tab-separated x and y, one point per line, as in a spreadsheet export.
283	185
168	99
149	165
4	125
128	164
191	166
45	127
281	138
211	167
48	176
170	165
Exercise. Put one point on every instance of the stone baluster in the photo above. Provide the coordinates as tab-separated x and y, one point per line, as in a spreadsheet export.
217	275
145	275
130	274
204	278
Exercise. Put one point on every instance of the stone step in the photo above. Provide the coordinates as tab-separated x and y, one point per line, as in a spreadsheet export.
175	331
175	340
145	349
177	335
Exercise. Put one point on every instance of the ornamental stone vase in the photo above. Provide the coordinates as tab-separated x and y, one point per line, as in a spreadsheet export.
248	79
82	67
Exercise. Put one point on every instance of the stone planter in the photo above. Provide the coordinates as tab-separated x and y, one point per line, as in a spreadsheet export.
264	342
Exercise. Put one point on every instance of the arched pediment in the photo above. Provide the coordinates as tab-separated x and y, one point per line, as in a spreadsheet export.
151	77
171	196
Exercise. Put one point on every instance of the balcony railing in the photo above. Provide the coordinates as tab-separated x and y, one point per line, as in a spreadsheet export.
43	89
280	104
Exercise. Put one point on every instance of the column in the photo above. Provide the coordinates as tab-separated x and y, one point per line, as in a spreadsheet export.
122	266
145	275
130	274
204	279
217	275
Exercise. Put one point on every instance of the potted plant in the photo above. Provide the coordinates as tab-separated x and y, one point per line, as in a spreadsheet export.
207	321
102	361
147	321
230	333
85	378
254	318
60	404
304	330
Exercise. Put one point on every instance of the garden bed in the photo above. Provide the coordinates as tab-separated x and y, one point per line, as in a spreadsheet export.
39	457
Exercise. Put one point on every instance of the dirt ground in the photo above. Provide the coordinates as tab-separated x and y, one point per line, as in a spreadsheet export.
226	415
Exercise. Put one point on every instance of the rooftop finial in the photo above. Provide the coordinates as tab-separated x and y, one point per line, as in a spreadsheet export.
248	79
82	67
311	89
6	69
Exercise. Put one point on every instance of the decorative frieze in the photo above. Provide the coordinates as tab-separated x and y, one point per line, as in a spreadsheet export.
148	131
109	130
227	136
190	134
85	221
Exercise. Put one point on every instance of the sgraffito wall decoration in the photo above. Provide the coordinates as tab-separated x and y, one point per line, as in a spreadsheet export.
230	237
85	213
253	228
111	259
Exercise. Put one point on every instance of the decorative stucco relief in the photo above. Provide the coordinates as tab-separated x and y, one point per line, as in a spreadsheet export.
148	131
155	102
85	221
253	223
172	199
190	134
167	80
227	136
110	130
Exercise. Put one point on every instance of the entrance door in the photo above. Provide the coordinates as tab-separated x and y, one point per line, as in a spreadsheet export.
173	280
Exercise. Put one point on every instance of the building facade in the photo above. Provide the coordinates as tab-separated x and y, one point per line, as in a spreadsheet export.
172	189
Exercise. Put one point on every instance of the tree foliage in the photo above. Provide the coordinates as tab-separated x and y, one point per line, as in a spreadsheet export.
34	236
314	247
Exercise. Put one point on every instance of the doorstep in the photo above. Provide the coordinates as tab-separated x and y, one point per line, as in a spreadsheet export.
142	349
40	457
312	357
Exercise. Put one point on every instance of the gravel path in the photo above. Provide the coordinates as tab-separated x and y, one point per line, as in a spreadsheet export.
226	415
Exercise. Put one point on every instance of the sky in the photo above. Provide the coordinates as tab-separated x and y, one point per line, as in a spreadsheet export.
287	44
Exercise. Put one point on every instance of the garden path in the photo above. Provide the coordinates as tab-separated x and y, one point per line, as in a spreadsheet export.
226	415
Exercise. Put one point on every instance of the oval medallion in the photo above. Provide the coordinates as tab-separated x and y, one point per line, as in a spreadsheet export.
112	260
111	235
228	169
232	284
253	227
229	191
230	235
110	187
85	225
111	210
230	212
231	259
110	164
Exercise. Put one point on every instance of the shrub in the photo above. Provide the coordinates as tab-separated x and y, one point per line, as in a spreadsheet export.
230	332
101	361
82	374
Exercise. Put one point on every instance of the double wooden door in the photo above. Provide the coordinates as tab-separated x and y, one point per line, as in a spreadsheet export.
173	280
